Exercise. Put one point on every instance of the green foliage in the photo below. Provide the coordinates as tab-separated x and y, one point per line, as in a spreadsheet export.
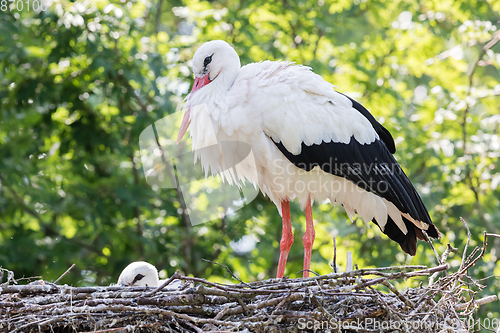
80	82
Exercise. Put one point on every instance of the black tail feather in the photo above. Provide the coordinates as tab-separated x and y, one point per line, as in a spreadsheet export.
407	242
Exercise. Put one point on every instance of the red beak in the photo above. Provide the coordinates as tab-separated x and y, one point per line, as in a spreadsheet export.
199	82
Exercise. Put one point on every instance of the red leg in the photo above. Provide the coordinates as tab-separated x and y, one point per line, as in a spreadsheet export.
286	238
308	238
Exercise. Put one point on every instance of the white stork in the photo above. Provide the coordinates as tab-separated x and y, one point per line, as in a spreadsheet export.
308	142
143	274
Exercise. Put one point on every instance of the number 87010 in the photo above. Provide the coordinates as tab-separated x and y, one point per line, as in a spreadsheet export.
20	5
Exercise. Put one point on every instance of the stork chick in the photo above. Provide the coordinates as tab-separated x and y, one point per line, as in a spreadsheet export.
143	274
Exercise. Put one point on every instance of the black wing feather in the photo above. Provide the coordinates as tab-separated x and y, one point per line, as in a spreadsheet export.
372	168
384	134
369	166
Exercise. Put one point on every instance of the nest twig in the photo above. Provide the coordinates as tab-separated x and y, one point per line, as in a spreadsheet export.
339	302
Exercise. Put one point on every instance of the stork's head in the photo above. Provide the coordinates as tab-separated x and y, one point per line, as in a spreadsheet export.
212	59
139	274
215	64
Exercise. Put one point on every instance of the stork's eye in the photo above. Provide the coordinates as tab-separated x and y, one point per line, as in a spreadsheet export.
138	277
207	60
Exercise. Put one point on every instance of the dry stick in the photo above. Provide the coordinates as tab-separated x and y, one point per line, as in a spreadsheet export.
221	314
271	302
479	302
428	240
474	260
196	328
405	300
461	270
45	321
334	263
395	276
320	287
229	289
446	253
326	292
465	265
322	309
317	274
466	244
30	289
120	329
227	269
89	316
233	294
164	284
492	235
64	274
280	305
363	271
390	311
318	303
432	311
421	303
172	314
116	329
444	257
246	311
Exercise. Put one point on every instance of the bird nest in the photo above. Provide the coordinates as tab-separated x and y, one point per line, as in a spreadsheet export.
363	300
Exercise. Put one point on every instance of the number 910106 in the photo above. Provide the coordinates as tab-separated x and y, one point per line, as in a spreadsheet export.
23	5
